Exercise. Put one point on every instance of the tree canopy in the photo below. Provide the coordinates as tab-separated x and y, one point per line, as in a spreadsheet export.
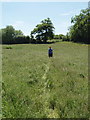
43	31
8	34
11	36
79	31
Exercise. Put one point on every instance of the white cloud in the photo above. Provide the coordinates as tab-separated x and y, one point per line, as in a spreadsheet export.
70	12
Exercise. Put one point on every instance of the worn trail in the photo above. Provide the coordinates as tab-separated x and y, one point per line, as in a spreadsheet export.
49	112
46	71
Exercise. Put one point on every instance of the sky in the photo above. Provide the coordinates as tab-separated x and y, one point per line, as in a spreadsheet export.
25	16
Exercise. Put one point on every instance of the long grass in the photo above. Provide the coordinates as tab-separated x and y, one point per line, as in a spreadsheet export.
35	86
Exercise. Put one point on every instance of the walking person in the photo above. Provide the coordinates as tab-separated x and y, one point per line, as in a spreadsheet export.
50	52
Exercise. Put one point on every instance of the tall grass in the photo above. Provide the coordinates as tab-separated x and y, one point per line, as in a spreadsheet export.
62	93
0	81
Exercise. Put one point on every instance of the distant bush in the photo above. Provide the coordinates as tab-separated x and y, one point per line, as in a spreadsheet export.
22	39
8	47
60	36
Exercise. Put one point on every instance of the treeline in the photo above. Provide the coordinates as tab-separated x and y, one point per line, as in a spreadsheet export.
78	32
12	36
40	34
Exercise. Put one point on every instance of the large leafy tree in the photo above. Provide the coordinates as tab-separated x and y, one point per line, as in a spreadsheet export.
79	31
43	31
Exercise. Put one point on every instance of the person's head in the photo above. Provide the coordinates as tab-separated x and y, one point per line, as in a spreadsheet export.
50	47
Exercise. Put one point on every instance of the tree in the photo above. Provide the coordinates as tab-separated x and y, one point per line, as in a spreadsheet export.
18	33
8	34
12	36
43	31
60	36
79	31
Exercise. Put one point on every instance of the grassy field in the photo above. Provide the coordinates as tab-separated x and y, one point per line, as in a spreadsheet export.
0	81
35	86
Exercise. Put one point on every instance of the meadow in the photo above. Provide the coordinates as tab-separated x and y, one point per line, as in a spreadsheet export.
35	86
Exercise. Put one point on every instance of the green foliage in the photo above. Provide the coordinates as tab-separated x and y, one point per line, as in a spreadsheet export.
66	37
62	93
18	33
43	31
12	36
8	34
8	47
60	36
80	29
20	39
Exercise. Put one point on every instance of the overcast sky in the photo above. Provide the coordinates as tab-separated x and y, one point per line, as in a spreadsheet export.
26	15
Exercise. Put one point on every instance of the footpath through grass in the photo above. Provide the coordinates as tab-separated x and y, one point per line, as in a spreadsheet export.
35	86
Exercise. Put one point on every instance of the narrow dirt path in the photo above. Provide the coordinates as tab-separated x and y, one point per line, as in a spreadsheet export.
46	94
46	71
